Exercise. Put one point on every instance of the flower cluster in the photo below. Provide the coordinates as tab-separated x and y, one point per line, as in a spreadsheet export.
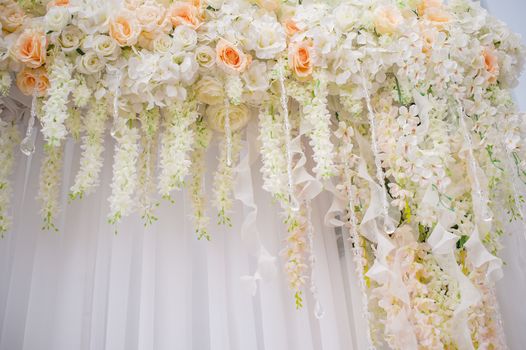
402	110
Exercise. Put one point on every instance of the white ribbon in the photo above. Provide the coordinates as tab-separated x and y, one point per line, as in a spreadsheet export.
244	191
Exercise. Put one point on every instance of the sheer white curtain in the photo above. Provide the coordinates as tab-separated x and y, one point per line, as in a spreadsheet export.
87	287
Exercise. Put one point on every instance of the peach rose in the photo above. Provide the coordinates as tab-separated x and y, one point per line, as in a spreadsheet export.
125	29
437	15
387	19
425	5
31	81
11	17
30	48
184	13
491	64
54	3
300	59
291	27
230	58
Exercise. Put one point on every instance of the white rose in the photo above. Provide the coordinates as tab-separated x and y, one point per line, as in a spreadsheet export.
185	38
267	38
57	18
238	115
162	43
182	67
90	63
103	45
210	90
70	38
255	77
205	56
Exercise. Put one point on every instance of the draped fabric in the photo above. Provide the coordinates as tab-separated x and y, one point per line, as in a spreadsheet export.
94	286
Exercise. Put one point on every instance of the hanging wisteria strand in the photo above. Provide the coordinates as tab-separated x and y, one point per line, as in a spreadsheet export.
49	185
9	139
197	173
176	144
91	159
150	120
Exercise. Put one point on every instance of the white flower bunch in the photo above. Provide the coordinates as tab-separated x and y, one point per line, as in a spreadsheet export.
176	145
87	178
124	181
9	138
55	109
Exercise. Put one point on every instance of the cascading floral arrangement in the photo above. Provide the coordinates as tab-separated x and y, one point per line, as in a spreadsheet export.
401	110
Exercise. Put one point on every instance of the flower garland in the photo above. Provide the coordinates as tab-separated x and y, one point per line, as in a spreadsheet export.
150	120
9	138
197	196
55	110
124	182
49	189
91	160
224	180
177	142
273	153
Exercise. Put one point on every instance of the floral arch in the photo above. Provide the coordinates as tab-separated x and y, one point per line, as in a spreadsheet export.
401	110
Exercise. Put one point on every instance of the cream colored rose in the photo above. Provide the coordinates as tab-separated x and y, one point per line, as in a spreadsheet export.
33	81
151	18
185	38
162	43
387	19
210	91
57	18
230	58
103	45
238	115
269	5
125	29
300	59
205	56
30	48
90	63
11	17
70	38
424	5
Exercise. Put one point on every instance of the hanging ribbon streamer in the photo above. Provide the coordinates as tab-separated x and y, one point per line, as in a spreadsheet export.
293	202
479	198
388	225
27	146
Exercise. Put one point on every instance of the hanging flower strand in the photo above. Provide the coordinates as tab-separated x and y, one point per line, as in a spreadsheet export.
9	138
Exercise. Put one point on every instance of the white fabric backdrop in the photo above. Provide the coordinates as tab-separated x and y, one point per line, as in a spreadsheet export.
158	287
